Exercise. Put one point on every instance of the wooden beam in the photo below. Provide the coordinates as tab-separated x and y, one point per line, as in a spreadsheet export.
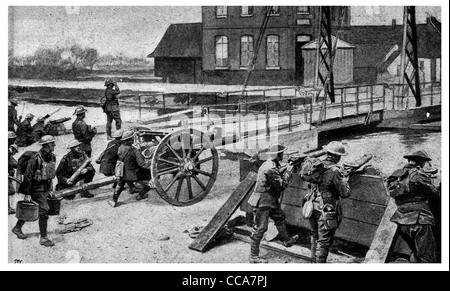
225	212
383	238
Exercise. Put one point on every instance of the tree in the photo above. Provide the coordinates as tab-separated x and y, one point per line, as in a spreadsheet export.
48	56
77	55
90	57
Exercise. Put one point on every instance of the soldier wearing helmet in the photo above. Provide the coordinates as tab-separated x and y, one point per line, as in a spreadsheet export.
327	213
12	166
111	106
39	129
82	132
37	183
135	168
12	115
69	164
414	215
25	136
271	181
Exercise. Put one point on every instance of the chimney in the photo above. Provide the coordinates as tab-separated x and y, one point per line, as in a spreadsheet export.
394	22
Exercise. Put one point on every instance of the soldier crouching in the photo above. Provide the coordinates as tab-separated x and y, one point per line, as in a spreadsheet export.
69	164
37	182
270	183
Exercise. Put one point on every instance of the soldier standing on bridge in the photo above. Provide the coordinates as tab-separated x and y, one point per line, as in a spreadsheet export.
69	164
12	115
83	132
270	183
135	169
37	182
327	213
111	106
413	191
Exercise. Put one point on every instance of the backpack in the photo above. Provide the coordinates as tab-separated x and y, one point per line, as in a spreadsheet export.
398	183
312	170
118	171
22	163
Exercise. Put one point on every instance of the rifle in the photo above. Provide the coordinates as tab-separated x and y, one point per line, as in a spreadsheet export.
296	161
78	171
48	115
23	109
351	167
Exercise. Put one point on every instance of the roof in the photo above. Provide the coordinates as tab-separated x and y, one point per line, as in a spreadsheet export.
340	44
180	40
373	43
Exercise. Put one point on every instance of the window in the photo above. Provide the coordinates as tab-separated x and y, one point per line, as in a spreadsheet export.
247	11
221	11
275	10
302	9
221	51
273	51
246	50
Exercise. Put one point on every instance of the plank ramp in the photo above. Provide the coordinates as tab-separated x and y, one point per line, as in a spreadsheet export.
223	215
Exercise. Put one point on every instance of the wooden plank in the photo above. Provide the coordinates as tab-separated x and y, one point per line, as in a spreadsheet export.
362	211
210	231
384	236
293	196
368	188
295	251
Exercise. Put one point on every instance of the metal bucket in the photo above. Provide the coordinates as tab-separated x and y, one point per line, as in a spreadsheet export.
54	205
27	210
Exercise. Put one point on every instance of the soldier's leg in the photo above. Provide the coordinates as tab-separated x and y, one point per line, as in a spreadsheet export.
87	178
144	192
117	192
260	225
314	234
324	241
41	199
425	244
17	230
109	119
279	218
117	119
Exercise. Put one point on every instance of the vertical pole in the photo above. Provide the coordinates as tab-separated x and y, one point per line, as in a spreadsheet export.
246	100
357	100
267	119
384	97
431	92
240	121
342	103
164	103
189	97
310	111
228	101
345	94
140	113
325	108
371	98
215	95
393	97
290	115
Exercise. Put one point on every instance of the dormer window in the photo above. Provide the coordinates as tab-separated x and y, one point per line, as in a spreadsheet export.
247	11
221	11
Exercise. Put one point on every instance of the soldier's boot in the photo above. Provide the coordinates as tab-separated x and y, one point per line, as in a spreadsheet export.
313	250
144	193
10	209
44	241
87	194
286	240
322	255
113	201
133	189
254	253
17	230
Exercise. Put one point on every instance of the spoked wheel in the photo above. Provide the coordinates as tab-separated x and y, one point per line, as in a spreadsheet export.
184	167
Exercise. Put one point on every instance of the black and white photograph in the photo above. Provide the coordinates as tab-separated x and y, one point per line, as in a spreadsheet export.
234	137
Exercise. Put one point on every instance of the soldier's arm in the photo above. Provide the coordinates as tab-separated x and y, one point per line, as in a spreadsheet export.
426	182
61	170
277	180
140	159
25	186
340	183
116	89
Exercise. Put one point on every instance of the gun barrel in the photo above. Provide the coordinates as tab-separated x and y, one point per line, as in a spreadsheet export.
87	186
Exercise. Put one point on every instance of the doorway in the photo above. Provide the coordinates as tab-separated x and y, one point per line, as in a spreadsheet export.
300	40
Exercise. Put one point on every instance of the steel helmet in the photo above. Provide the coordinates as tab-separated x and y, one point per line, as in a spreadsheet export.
11	134
117	133
29	115
335	148
79	110
127	135
109	82
40	119
73	143
15	147
46	139
420	154
276	149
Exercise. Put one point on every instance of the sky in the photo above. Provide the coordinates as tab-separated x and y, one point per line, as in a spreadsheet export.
134	30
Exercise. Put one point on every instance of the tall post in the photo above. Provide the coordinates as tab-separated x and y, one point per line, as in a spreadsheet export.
290	115
357	100
140	113
267	119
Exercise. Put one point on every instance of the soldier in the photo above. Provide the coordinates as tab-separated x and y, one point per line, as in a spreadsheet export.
69	164
414	216
83	132
12	165
111	106
25	136
271	181
327	213
39	129
12	115
37	182
135	169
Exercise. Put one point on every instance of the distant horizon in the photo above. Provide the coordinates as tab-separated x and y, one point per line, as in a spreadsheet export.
135	31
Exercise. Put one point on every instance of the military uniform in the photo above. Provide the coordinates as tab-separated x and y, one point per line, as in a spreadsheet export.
37	182
135	169
25	136
327	202
12	118
414	216
270	183
67	167
39	130
12	165
111	108
83	133
109	159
